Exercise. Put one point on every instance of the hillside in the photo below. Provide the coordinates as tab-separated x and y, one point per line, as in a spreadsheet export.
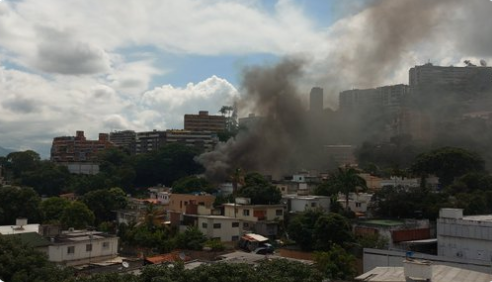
4	152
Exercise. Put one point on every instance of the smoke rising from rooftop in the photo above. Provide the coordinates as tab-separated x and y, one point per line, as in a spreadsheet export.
363	51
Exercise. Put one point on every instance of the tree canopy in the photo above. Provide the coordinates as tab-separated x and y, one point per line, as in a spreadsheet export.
447	163
104	202
191	184
18	202
77	215
315	230
259	190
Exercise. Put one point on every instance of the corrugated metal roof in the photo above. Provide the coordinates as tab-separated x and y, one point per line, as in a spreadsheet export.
440	273
256	237
171	257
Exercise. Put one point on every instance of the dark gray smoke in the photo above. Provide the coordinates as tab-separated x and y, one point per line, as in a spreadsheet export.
276	143
363	55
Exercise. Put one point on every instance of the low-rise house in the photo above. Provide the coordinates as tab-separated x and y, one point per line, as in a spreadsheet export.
182	205
261	219
295	203
161	194
409	183
180	202
359	203
219	227
71	247
74	247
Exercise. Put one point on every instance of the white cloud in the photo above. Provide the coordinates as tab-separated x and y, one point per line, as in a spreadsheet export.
67	70
172	103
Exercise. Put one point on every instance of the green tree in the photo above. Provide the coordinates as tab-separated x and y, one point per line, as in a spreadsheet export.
447	163
374	241
289	271
47	178
104	202
165	273
104	277
336	264
331	229
22	263
346	181
116	165
301	228
259	190
20	162
154	216
193	183
77	215
191	239
17	202
471	182
52	208
168	164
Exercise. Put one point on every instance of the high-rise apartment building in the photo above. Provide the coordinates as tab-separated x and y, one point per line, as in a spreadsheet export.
316	99
124	139
428	78
149	141
387	97
77	149
202	140
204	122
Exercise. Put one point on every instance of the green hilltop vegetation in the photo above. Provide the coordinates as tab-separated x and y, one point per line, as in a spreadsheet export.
4	152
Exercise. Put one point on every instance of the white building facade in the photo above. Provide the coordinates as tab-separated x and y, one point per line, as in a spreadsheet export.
465	237
80	247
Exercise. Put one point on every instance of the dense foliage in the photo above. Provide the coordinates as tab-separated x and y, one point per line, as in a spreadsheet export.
259	190
316	230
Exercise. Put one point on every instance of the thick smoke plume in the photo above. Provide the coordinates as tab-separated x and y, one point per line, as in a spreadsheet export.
368	49
275	143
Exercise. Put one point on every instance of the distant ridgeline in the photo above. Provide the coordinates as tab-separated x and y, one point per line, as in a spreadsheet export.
4	152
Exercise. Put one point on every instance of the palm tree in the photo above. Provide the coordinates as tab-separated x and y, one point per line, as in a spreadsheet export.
153	216
237	178
348	181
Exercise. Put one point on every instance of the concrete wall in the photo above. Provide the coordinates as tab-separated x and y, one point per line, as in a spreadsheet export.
226	232
467	239
252	212
59	252
381	258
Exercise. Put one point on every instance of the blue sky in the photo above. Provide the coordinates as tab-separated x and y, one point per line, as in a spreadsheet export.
109	65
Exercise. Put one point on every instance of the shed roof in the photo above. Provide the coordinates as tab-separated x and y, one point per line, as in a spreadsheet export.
440	273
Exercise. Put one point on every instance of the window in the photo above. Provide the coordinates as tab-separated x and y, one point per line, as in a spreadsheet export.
279	212
105	245
88	248
313	205
71	250
245	225
235	224
358	205
246	212
217	225
235	238
204	225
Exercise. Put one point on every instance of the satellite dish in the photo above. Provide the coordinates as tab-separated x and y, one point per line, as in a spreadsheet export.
125	264
182	256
